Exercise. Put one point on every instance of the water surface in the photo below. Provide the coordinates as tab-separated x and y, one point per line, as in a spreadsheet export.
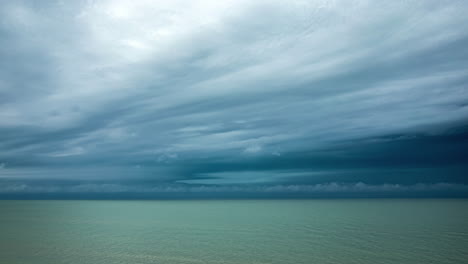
247	231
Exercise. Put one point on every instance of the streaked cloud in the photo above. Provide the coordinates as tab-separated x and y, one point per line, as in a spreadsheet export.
234	92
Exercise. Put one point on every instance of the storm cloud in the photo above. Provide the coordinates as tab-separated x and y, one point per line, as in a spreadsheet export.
233	97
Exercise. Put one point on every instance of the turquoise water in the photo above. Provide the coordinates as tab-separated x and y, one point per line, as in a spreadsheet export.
287	231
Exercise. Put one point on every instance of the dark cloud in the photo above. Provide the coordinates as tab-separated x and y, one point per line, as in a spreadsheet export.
142	96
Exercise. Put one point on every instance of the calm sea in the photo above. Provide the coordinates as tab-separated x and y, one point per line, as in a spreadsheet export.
265	231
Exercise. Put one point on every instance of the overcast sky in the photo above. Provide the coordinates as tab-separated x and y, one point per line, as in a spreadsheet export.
311	98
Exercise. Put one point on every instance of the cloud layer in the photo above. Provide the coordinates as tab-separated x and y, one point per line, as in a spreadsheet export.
215	93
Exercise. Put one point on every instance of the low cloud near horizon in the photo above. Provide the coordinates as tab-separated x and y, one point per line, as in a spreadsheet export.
218	95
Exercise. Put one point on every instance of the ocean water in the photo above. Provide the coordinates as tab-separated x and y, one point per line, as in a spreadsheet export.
247	231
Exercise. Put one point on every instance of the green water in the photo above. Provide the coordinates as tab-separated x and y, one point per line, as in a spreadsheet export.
311	231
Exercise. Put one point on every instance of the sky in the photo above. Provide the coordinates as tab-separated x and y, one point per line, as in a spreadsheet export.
181	99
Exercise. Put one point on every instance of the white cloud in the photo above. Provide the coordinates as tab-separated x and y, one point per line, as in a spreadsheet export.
115	80
253	149
69	152
326	188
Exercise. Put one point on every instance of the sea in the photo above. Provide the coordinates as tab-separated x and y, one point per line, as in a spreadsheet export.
235	231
